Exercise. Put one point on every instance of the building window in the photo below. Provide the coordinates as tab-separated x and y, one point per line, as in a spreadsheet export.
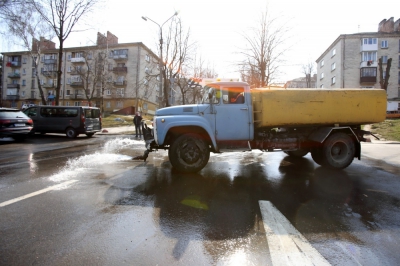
68	92
333	66
23	94
333	80
145	106
108	105
77	103
147	58
370	41
384	59
24	60
119	104
108	92
368	72
67	103
322	75
23	82
384	44
322	63
69	57
334	52
369	56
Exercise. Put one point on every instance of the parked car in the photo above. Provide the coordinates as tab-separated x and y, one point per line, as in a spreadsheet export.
14	123
71	120
27	105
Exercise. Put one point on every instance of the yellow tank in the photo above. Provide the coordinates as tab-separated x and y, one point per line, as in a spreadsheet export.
305	107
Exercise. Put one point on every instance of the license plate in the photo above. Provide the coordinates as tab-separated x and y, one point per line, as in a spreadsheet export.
19	125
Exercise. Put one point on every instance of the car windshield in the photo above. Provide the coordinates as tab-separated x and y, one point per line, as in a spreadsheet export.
12	114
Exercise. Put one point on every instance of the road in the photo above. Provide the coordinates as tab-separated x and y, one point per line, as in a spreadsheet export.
86	202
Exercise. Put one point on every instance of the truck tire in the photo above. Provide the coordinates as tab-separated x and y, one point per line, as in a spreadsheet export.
71	133
338	151
297	153
189	153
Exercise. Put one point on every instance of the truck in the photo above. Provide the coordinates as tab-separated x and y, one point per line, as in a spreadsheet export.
324	122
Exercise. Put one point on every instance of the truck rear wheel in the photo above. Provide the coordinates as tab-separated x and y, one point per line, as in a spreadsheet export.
189	153
338	151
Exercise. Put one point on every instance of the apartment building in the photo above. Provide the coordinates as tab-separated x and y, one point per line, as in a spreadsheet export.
111	75
303	82
351	61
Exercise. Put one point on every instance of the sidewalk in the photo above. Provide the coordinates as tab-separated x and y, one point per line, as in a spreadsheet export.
123	130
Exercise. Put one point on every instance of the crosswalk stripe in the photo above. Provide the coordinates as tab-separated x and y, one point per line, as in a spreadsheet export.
5	203
287	246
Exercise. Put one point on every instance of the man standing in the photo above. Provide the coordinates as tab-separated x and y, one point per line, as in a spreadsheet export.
137	121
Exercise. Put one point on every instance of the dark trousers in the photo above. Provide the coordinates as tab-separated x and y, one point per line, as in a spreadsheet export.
138	129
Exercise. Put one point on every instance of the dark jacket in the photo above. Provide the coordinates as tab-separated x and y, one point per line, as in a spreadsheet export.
137	119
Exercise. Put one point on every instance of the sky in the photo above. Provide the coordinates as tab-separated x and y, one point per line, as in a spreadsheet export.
218	26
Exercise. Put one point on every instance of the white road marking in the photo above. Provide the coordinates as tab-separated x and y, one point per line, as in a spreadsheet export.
287	246
5	203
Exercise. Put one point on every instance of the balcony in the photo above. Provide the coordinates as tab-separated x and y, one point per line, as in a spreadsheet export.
369	64
49	85
367	79
78	60
76	84
120	57
12	86
77	96
120	83
13	64
120	69
49	61
12	97
13	75
49	73
369	47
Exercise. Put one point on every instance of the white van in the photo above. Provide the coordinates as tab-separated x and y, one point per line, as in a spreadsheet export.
71	120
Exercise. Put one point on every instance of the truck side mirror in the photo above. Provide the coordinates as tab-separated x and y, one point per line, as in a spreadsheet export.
211	92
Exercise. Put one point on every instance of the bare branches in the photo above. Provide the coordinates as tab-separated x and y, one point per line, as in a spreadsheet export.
62	16
264	53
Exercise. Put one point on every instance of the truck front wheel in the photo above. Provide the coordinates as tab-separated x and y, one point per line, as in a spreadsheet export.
338	151
189	153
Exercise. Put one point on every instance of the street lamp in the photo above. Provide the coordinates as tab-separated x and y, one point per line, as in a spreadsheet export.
161	63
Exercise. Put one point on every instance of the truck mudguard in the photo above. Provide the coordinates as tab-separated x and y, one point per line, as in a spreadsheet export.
165	123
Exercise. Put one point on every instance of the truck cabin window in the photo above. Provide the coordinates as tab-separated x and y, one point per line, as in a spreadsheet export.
234	95
229	95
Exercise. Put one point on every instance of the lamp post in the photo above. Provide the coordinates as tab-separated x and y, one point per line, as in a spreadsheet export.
161	63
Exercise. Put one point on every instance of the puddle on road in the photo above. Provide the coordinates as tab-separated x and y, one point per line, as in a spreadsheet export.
92	164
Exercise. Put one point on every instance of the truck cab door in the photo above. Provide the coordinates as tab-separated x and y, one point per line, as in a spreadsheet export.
233	114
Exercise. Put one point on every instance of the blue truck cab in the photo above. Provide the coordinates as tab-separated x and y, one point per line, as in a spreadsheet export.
223	120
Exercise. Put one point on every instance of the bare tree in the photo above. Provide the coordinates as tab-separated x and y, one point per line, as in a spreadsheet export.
308	71
176	57
264	54
190	89
62	16
94	74
384	80
26	29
